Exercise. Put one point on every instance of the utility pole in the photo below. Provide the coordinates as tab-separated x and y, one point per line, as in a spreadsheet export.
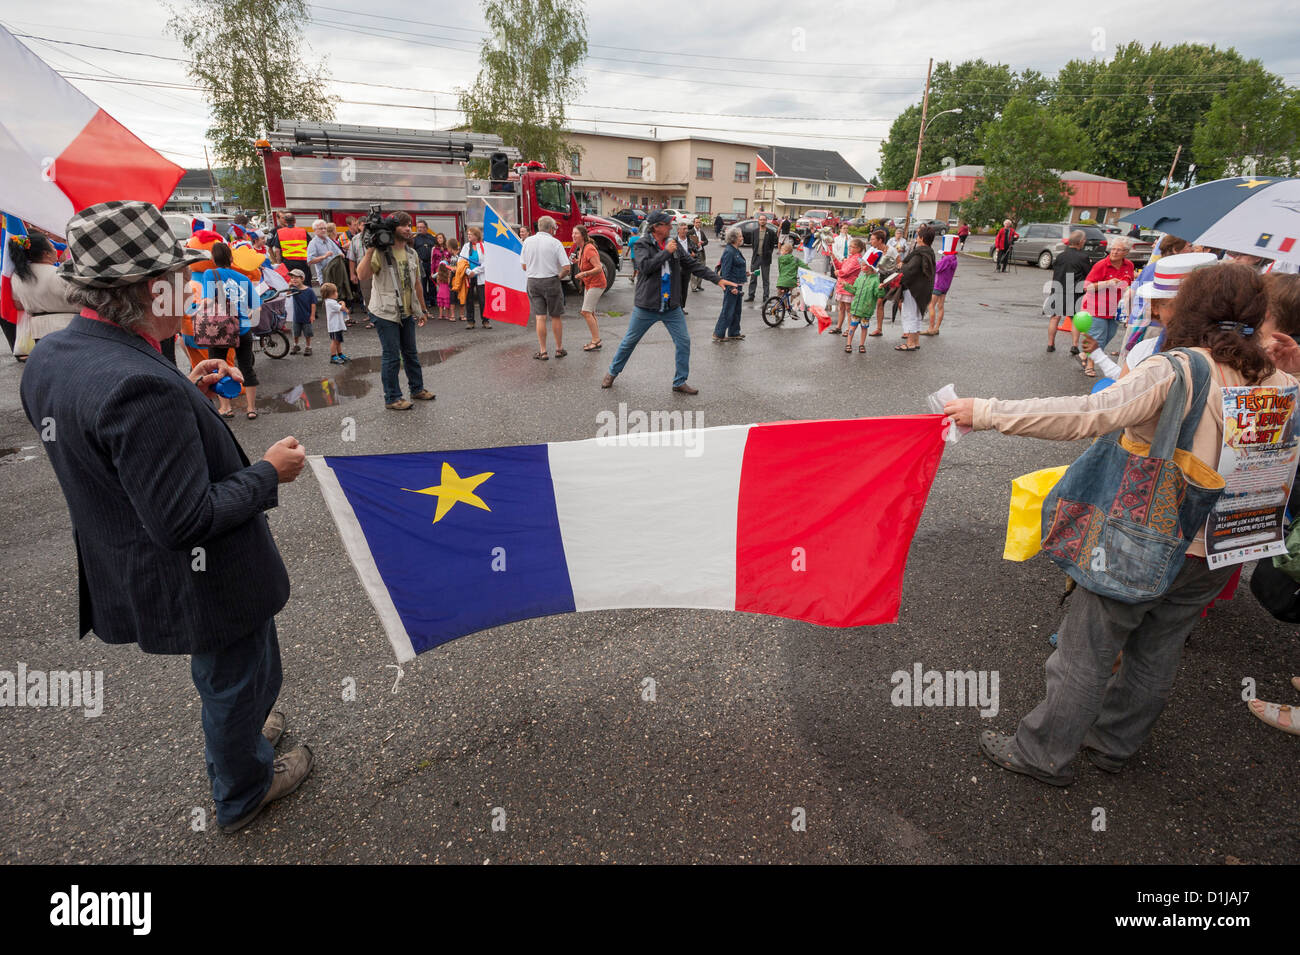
920	138
212	180
1168	179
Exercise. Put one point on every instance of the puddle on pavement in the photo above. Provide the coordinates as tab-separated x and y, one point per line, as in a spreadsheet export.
341	384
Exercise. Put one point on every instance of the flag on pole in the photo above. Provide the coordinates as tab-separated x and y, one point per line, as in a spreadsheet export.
815	288
505	287
809	520
60	153
10	227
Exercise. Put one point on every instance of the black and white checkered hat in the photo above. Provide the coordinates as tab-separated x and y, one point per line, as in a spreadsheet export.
122	242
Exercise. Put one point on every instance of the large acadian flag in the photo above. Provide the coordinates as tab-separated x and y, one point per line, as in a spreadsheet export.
505	288
809	520
59	152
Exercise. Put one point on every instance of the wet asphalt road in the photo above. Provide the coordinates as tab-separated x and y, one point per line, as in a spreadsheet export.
754	718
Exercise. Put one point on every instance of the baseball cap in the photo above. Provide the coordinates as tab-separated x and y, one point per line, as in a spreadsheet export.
298	272
659	218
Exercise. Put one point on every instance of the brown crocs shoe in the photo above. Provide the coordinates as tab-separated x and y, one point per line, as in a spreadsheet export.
997	748
607	380
290	770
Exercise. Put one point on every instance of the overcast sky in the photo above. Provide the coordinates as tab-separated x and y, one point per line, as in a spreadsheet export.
759	70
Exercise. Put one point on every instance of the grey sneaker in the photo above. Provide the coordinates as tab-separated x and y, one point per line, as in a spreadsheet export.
274	726
290	770
997	749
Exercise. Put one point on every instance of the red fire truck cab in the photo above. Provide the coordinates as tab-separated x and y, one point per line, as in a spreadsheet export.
333	171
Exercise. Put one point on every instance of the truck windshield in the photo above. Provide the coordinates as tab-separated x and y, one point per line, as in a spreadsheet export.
553	195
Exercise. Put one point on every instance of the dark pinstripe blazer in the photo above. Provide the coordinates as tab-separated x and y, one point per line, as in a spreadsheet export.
151	472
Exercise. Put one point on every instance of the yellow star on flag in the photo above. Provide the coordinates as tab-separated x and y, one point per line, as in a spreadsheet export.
500	227
453	490
1252	183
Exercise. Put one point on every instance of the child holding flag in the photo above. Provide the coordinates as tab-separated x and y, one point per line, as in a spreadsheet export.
866	293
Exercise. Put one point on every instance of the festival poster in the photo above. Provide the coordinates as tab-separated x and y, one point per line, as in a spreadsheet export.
1258	464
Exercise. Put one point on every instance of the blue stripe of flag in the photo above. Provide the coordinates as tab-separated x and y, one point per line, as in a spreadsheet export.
474	568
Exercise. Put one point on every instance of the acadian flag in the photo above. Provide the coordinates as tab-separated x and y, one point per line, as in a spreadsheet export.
505	288
10	227
453	542
60	153
815	288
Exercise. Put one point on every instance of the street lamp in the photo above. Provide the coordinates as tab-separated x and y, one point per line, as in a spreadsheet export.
916	166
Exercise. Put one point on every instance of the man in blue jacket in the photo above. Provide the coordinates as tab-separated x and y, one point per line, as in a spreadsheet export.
168	517
660	264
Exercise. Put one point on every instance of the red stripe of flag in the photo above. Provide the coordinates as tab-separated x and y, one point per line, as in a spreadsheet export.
504	304
1286	244
826	514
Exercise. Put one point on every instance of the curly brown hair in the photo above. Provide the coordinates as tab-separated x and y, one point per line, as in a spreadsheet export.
1223	293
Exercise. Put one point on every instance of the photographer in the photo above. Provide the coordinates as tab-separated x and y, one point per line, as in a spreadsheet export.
396	298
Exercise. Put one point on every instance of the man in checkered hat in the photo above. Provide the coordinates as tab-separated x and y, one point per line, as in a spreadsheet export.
168	516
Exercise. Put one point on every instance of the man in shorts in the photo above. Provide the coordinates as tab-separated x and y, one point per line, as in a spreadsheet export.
546	263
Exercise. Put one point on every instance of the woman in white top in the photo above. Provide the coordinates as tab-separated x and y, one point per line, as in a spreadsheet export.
37	288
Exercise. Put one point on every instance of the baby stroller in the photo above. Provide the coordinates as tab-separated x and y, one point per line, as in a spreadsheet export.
269	327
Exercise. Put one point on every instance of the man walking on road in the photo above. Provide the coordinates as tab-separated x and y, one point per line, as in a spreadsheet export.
660	264
761	258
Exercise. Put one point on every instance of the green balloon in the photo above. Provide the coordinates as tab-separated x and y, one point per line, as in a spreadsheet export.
1082	322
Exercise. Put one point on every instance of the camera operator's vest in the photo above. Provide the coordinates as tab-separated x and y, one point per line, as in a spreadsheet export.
293	243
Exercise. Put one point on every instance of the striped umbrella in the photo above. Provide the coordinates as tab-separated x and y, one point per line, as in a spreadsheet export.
1257	215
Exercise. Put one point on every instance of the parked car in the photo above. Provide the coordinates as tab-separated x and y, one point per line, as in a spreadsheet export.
633	217
1041	242
749	228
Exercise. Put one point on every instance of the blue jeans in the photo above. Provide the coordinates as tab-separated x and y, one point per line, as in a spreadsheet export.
238	685
642	321
398	343
729	320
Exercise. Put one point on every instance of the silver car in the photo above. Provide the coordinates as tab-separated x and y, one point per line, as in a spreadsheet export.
1041	242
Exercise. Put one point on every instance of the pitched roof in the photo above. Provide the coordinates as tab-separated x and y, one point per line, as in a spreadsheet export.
819	165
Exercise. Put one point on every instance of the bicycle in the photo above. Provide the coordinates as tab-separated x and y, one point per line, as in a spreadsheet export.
786	303
269	330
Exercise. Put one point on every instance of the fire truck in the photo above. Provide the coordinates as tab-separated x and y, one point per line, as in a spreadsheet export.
332	171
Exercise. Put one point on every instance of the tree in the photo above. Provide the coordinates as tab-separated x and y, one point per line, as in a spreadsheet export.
248	57
1026	149
979	89
1251	129
1141	105
527	75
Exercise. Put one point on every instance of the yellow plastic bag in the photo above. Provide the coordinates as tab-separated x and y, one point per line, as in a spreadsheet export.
23	341
1025	521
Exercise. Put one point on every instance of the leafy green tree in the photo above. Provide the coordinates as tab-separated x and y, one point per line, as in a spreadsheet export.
1139	106
1026	149
248	56
528	72
979	89
1251	129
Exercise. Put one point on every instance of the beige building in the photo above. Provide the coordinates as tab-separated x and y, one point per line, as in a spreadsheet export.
792	180
612	171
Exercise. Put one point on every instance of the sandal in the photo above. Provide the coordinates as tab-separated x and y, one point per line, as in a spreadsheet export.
862	349
592	345
1090	372
848	347
560	353
252	415
226	414
907	348
542	356
1277	715
874	334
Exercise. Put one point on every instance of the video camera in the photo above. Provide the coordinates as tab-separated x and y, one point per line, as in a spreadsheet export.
380	231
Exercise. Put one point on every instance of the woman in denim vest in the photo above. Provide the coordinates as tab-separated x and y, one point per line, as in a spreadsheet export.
1217	313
